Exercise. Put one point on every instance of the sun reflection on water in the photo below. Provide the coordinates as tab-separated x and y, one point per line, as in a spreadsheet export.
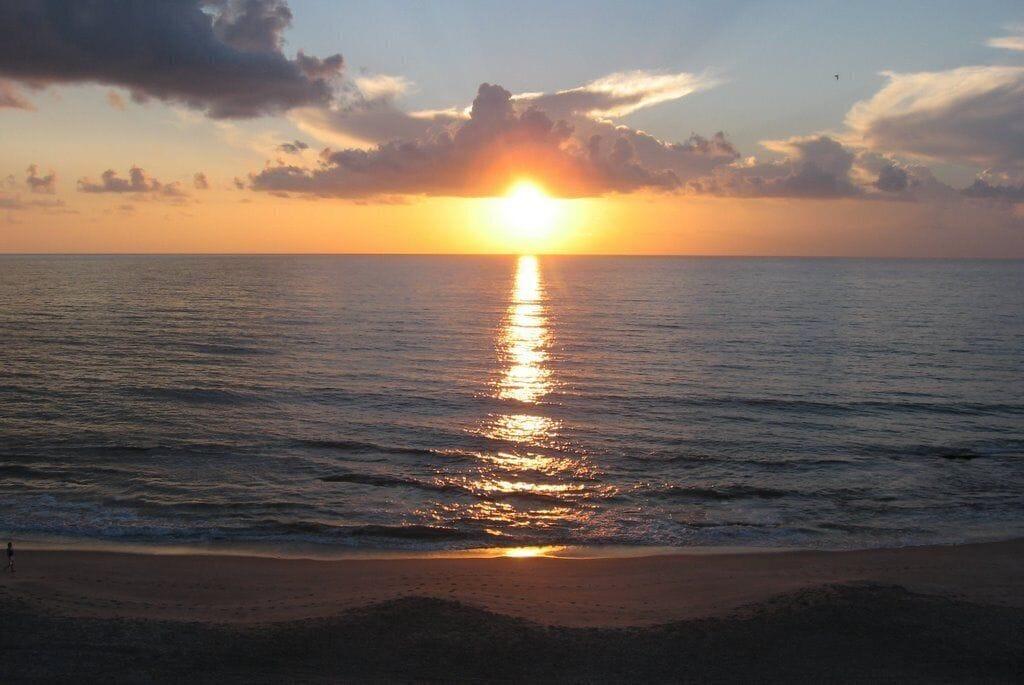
529	552
525	338
531	484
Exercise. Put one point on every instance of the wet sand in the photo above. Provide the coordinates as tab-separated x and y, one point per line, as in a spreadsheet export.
631	591
959	607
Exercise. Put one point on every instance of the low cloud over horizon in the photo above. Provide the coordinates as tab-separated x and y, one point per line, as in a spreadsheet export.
560	140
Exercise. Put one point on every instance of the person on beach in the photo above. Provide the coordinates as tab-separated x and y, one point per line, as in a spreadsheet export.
10	557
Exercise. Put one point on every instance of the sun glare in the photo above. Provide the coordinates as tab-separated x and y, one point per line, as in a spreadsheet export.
528	211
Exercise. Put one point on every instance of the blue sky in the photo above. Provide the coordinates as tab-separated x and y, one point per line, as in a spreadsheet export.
776	58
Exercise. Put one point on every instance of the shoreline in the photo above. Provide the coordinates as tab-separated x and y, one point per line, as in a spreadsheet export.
580	592
325	552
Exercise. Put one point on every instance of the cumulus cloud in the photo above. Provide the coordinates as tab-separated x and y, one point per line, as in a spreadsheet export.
138	182
570	149
882	175
368	113
892	179
970	115
252	25
200	182
823	167
40	184
817	166
982	188
220	56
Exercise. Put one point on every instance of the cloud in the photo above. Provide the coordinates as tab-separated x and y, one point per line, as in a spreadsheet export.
382	86
11	97
252	25
40	184
14	203
983	189
892	179
223	57
1011	42
293	148
115	100
823	167
619	94
200	182
138	182
366	114
813	167
501	138
970	115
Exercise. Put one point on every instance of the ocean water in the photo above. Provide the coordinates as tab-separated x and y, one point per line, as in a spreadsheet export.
372	402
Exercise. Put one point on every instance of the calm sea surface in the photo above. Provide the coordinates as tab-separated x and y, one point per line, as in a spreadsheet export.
457	402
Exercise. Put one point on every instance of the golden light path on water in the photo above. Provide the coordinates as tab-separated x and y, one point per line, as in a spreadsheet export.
534	484
525	340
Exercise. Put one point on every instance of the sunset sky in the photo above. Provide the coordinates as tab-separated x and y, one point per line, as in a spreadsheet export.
629	128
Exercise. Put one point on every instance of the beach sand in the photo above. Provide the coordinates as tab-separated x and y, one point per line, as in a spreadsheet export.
912	612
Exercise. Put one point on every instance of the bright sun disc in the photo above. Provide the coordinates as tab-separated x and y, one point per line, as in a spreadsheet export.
528	211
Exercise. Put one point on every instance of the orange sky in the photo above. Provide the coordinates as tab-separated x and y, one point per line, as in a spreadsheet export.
228	221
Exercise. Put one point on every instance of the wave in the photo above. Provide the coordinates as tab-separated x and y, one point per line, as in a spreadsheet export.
221	349
950	452
384	481
412	532
362	447
194	395
824	408
395	532
727	492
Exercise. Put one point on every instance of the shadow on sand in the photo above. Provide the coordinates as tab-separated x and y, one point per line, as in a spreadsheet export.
836	633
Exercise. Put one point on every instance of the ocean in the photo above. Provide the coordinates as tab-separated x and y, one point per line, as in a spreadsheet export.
440	403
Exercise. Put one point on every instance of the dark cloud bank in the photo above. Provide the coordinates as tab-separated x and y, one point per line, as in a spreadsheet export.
221	56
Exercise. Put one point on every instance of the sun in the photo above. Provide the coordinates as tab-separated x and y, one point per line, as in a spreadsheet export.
528	211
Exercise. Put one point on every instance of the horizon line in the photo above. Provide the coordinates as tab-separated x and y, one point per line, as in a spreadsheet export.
508	254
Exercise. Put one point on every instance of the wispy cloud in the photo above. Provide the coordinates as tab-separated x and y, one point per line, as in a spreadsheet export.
970	115
1014	41
620	94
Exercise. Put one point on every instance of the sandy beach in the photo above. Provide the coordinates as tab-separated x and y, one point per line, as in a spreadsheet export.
970	595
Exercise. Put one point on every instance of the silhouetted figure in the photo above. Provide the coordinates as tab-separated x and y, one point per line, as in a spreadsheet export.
10	557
